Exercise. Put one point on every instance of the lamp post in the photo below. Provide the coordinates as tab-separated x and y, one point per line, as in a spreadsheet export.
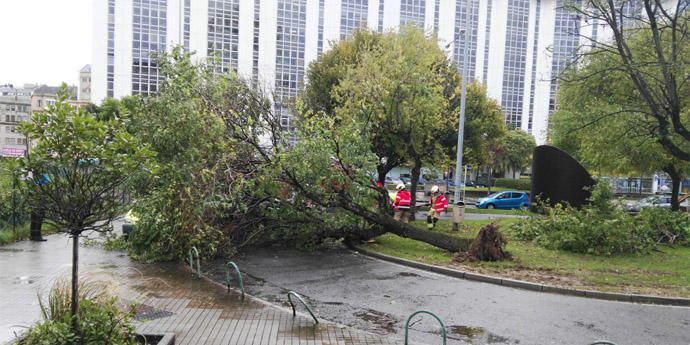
457	208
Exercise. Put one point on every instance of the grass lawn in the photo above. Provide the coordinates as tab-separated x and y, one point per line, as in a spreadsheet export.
7	235
665	272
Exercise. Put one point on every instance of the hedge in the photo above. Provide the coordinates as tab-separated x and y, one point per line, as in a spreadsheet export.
519	184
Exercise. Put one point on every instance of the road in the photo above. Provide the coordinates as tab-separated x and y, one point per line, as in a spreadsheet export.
366	293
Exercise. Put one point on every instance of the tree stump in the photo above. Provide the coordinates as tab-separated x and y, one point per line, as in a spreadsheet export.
487	246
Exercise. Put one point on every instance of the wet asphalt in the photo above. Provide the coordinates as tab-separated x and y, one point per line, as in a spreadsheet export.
366	293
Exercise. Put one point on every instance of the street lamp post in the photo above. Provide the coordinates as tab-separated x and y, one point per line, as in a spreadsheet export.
461	123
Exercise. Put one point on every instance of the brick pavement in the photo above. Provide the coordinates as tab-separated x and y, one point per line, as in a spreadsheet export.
169	299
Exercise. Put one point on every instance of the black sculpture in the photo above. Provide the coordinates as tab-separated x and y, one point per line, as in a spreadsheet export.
559	178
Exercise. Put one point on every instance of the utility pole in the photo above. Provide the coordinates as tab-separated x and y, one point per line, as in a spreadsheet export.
458	207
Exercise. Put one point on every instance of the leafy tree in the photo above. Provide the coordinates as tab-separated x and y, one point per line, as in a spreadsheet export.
397	92
603	121
484	124
645	66
517	150
325	94
80	168
180	206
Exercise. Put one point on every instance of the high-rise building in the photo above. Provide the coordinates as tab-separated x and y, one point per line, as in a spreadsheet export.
516	47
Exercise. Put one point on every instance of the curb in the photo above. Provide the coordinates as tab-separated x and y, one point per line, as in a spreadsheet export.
524	285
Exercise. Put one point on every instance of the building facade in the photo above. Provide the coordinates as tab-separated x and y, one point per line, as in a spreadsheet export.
516	47
85	83
15	107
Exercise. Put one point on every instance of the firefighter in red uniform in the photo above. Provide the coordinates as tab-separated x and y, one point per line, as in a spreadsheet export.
402	203
439	204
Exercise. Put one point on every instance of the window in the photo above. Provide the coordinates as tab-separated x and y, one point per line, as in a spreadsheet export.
353	14
565	43
149	36
514	61
412	11
460	18
223	33
291	30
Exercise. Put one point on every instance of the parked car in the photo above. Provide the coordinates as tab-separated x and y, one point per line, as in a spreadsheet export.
662	201
504	200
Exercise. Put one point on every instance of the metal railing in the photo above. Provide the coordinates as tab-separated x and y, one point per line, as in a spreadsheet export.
239	276
294	313
195	253
407	325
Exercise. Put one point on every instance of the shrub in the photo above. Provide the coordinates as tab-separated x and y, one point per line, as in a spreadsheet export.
101	321
600	228
666	226
519	184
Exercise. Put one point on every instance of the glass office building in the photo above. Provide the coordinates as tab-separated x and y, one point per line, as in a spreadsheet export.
515	47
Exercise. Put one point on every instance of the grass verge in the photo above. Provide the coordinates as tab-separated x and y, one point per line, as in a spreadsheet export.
7	235
664	272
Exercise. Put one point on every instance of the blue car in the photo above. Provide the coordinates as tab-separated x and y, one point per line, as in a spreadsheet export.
504	200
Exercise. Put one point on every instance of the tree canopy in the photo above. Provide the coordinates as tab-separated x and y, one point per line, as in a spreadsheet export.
641	71
604	121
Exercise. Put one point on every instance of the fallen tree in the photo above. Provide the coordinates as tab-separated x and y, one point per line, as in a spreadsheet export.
251	183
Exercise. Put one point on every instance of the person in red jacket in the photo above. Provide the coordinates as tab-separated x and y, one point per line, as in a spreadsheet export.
402	203
439	204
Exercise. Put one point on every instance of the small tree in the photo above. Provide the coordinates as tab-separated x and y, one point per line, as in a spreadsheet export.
517	150
79	168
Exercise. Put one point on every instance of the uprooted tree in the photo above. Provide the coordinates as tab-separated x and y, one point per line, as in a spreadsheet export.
228	176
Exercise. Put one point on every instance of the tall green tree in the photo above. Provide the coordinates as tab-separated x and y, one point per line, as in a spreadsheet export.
603	121
396	91
646	64
80	169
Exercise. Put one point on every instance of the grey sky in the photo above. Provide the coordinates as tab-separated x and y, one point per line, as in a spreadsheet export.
44	41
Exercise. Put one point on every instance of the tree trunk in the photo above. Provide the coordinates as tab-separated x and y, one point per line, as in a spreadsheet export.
416	171
384	199
75	283
36	225
436	239
675	189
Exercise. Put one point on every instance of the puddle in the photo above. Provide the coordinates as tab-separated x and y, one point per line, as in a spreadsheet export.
11	250
497	339
466	331
25	280
398	275
381	321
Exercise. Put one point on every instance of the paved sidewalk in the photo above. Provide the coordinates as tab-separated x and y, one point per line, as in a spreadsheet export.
170	299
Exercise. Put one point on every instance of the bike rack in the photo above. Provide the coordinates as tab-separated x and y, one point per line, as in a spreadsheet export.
443	327
239	276
192	253
602	342
316	321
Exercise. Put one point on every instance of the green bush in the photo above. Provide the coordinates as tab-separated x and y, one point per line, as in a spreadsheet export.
666	226
13	196
518	184
101	321
602	229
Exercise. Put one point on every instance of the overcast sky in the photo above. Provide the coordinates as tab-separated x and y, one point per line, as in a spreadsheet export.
44	41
